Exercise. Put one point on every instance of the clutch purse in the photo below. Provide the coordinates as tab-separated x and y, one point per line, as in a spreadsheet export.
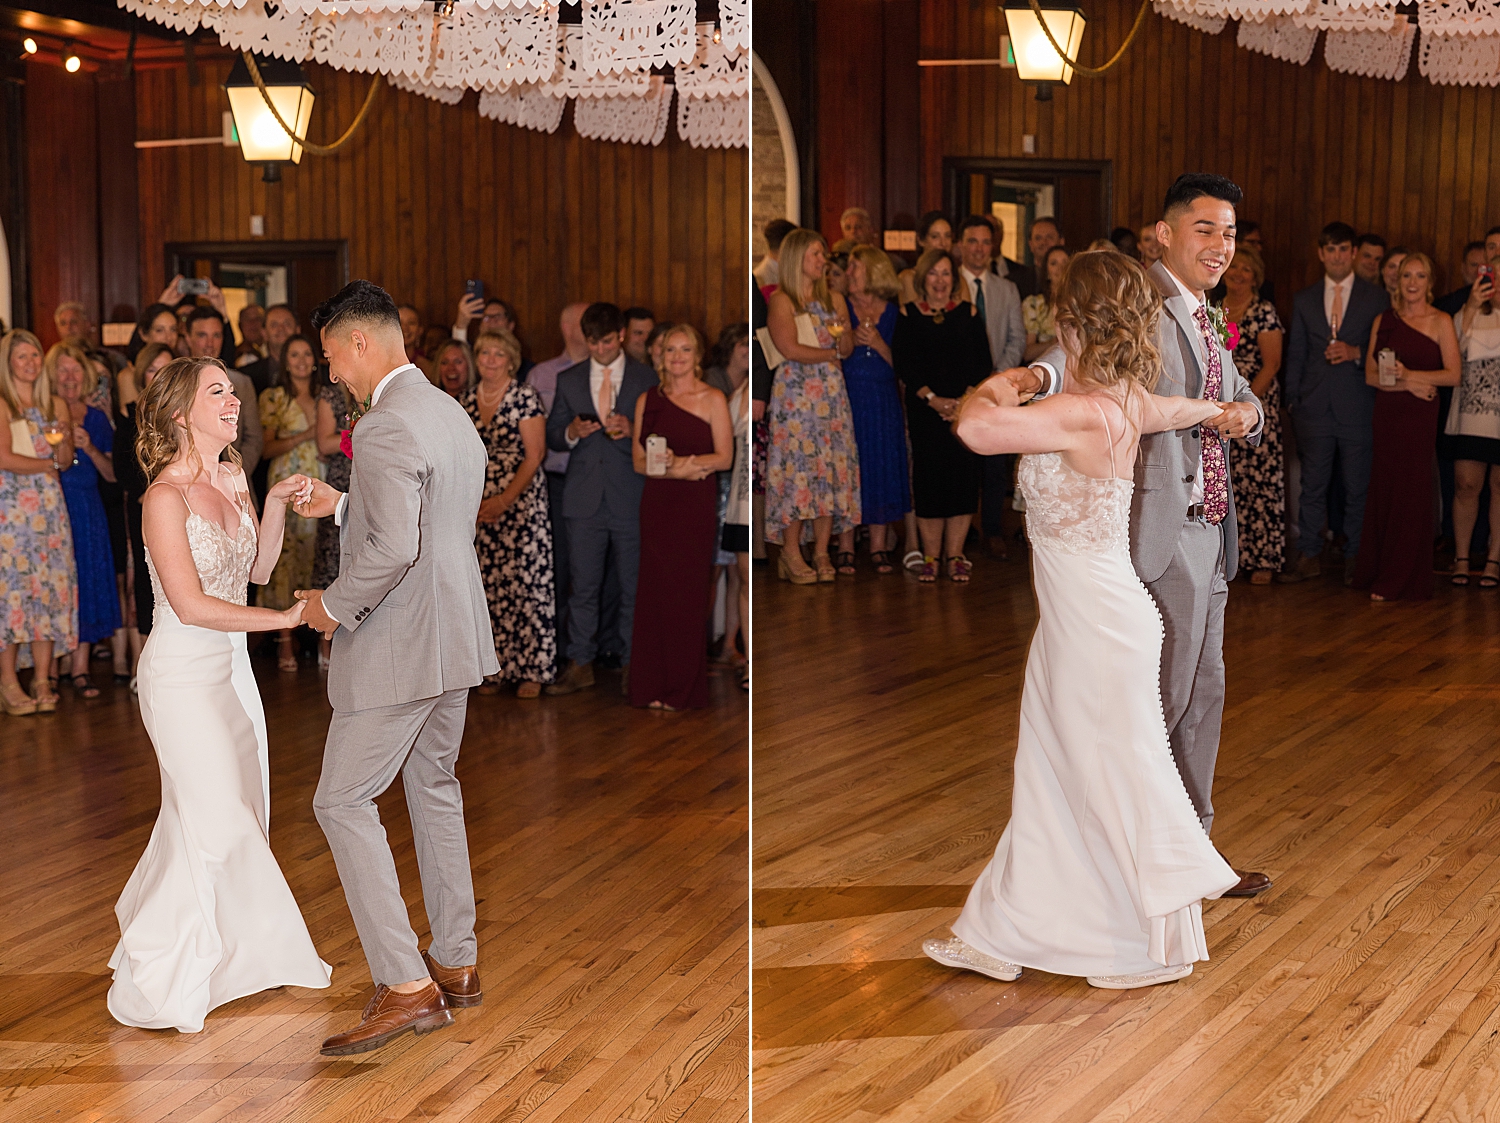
807	331
20	439
774	358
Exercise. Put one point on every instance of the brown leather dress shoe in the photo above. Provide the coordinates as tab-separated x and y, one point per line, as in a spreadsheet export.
460	985
1250	884
388	1016
578	676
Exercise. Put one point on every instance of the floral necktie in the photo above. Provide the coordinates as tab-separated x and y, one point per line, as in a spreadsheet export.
1215	468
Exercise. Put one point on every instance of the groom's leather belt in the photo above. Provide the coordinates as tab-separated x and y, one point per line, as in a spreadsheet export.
1195	512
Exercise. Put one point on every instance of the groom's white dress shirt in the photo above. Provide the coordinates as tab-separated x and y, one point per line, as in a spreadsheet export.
338	511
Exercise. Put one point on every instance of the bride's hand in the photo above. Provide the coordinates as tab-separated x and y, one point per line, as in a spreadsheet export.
292	489
293	615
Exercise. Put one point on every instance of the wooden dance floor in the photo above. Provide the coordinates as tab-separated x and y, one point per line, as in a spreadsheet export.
609	855
1360	768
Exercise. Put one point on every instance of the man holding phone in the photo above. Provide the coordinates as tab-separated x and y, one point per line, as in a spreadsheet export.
591	420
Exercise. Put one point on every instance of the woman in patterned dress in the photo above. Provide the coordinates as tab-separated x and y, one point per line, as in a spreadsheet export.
515	536
38	576
812	466
289	416
1259	492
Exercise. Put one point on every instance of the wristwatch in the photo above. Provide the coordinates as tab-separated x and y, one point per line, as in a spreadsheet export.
927	397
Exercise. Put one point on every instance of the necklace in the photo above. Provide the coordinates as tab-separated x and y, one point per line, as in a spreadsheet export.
490	404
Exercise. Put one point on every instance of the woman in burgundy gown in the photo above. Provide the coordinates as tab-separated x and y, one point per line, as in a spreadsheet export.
679	516
1395	549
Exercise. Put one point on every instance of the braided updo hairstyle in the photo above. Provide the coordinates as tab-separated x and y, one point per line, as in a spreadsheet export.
161	416
1108	306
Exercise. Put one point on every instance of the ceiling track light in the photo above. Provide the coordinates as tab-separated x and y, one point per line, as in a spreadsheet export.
71	62
28	45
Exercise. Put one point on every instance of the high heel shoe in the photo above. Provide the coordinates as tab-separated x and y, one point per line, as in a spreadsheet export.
826	573
43	695
16	702
787	573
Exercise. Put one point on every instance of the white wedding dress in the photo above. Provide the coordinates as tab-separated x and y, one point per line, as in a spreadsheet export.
206	916
1104	864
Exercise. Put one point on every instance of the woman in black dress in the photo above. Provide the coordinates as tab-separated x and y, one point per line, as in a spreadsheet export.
941	352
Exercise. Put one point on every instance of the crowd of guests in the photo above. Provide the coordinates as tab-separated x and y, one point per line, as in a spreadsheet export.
614	495
1377	380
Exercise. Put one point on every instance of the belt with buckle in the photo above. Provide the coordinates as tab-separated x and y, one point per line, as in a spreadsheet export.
1195	512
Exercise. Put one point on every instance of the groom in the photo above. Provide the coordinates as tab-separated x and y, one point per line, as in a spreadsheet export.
1183	539
411	635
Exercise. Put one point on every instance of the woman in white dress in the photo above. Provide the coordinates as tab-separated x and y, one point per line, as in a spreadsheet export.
1102	868
207	916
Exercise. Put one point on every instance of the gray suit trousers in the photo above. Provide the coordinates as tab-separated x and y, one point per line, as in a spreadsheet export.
1191	595
365	750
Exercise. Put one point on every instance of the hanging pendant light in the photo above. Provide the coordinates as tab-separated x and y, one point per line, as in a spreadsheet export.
1036	59
262	139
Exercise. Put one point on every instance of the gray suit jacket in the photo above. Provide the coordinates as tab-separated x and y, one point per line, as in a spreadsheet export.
415	623
1002	318
1168	462
600	468
1317	390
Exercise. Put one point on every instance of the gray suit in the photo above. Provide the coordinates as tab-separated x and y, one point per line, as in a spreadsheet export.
1332	408
1185	563
602	505
414	637
1002	318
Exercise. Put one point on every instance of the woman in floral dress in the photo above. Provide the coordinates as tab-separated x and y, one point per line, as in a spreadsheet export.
515	536
812	466
1259	491
289	415
38	576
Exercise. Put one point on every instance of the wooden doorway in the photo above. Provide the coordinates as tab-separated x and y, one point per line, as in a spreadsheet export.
301	274
1075	193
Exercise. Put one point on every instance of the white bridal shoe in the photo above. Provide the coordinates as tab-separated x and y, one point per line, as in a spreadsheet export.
1149	979
956	953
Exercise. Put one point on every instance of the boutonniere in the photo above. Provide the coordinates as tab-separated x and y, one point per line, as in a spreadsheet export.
346	436
1227	331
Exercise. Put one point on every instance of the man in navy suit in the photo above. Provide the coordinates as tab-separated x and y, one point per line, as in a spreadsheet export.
592	417
1332	408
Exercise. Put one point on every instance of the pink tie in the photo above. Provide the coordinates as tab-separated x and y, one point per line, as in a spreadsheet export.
1336	317
1215	468
606	397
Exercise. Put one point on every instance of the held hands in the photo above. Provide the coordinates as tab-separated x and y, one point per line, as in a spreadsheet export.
1235	419
312	613
295	489
318	503
293	616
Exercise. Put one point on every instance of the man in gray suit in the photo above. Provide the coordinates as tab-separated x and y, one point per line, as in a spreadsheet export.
1183	539
1332	408
999	304
411	635
592	418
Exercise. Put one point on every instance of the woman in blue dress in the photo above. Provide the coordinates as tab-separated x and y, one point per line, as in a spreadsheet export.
875	400
69	370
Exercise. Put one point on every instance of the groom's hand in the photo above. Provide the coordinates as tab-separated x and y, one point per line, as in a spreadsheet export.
314	615
1237	419
323	501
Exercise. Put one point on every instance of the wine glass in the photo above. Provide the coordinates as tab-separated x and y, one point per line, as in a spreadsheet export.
53	432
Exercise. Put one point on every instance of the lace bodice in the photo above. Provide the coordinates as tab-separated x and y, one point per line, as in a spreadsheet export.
1073	513
223	562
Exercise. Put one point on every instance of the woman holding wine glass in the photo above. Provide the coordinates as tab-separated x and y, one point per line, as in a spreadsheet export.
38	578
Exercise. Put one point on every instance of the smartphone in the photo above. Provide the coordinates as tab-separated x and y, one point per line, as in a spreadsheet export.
474	288
194	286
1486	273
656	455
594	417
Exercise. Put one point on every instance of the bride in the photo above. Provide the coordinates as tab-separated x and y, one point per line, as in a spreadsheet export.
207	916
1102	868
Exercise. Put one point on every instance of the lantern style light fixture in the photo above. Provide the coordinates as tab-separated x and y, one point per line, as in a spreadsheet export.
1036	59
262	139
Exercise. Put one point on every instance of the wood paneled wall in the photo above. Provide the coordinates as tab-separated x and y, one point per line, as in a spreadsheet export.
430	195
1406	159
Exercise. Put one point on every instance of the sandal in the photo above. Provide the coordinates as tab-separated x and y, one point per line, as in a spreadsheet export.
881	559
912	562
1486	581
824	565
927	574
84	687
843	562
1460	578
45	697
959	568
529	690
16	701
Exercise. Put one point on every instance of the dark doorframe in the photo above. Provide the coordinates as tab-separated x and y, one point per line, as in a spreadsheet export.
1071	179
315	270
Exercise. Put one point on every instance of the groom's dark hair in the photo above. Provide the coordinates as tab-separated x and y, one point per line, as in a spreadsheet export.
358	302
1195	185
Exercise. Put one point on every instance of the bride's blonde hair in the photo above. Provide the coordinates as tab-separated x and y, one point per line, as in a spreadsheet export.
162	416
1108	305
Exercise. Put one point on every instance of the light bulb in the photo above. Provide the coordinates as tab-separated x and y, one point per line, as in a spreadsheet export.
72	63
28	45
718	36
